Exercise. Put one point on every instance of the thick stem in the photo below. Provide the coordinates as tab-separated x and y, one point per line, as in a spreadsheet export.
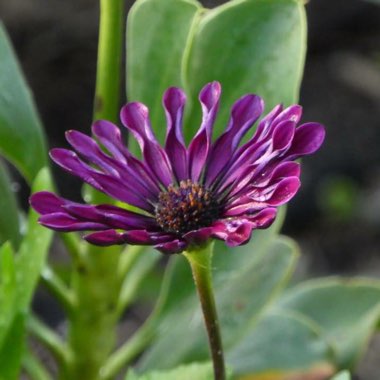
111	31
200	262
95	284
93	322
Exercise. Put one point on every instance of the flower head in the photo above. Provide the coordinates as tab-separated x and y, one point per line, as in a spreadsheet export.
185	195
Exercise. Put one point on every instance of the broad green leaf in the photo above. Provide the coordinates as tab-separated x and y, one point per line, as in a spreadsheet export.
251	46
21	136
9	222
186	372
7	289
34	247
157	35
281	345
248	45
12	349
344	375
347	310
19	276
242	291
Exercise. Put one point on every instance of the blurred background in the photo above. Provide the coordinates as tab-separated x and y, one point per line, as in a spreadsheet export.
336	216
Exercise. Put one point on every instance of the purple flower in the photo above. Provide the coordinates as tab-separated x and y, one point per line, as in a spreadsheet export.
185	195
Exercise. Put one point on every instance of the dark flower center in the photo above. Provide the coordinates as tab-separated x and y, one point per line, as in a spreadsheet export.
186	207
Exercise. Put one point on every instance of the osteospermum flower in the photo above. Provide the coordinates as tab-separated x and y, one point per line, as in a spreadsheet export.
186	195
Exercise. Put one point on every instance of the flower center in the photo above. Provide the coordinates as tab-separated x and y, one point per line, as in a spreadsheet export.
186	207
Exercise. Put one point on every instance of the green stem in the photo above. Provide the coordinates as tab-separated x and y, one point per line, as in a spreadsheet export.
72	243
93	323
95	283
58	288
107	91
136	344
127	352
200	262
34	368
50	340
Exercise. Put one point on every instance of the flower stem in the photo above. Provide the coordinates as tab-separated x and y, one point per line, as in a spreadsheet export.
58	288
34	368
107	92
200	262
50	340
93	319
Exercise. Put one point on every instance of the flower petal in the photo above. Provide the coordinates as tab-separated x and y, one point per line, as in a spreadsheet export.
171	247
45	202
112	216
61	221
89	149
282	192
197	237
110	137
143	237
292	113
308	139
105	238
200	145
234	232
123	191
174	102
244	114
135	116
69	161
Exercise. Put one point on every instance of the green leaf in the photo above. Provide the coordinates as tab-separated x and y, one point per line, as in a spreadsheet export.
248	45
281	344
19	276
34	247
9	221
347	310
251	46
12	349
21	136
157	34
7	289
344	375
185	372
265	271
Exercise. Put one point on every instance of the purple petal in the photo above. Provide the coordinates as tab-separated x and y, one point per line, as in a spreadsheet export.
69	161
135	117
143	237
292	113
264	127
198	237
200	145
61	221
112	216
171	247
110	137
274	174
174	102
118	189
264	218
105	238
89	149
282	136
45	202
244	114
234	232
123	190
307	139
284	191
